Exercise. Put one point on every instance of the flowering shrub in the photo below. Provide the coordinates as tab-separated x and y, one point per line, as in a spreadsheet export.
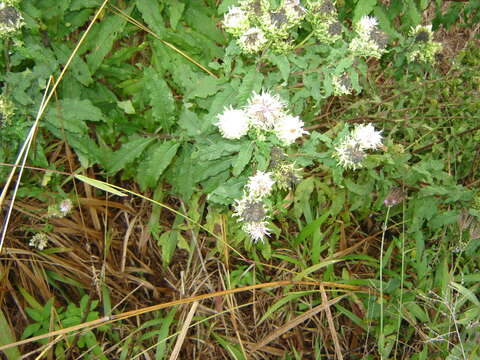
265	114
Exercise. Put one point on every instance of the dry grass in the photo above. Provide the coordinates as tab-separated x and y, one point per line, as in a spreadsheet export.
105	242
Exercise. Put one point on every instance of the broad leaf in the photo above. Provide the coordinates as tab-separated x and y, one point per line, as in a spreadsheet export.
158	158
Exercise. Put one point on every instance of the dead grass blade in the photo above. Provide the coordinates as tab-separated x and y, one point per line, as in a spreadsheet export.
331	325
183	332
129	314
294	322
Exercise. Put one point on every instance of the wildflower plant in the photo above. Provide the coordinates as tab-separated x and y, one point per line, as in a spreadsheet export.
39	241
323	16
11	20
369	40
7	111
266	119
352	149
423	49
60	210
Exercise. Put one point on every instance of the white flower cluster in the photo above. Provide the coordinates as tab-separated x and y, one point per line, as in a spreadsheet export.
257	26
7	110
342	85
60	210
370	40
323	15
352	150
251	208
424	48
10	18
265	113
39	241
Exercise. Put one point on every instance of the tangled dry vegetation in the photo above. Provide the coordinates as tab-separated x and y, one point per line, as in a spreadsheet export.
105	250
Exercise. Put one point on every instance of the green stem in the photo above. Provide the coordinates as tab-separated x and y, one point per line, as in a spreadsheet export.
382	338
402	279
304	40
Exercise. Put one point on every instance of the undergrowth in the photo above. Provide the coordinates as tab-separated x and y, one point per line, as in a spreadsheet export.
140	191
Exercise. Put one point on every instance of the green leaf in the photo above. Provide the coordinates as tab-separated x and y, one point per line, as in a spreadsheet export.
30	299
225	5
314	268
163	334
310	228
81	4
168	242
203	87
466	293
278	304
175	9
282	63
363	7
243	159
212	168
197	16
161	98
106	300
190	123
71	114
78	68
106	34
127	153
152	14
34	314
126	106
234	350
181	175
226	193
158	158
251	82
384	21
414	16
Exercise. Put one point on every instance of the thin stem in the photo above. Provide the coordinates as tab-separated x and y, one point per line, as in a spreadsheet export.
402	279
382	339
304	40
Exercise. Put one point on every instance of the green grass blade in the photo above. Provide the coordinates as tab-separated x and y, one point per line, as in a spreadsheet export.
8	338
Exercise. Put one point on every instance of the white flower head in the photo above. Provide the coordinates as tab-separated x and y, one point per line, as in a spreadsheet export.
260	185
350	154
342	85
422	33
367	137
236	21
249	210
253	40
264	109
65	207
289	128
366	24
233	123
10	20
39	241
257	230
370	40
423	49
